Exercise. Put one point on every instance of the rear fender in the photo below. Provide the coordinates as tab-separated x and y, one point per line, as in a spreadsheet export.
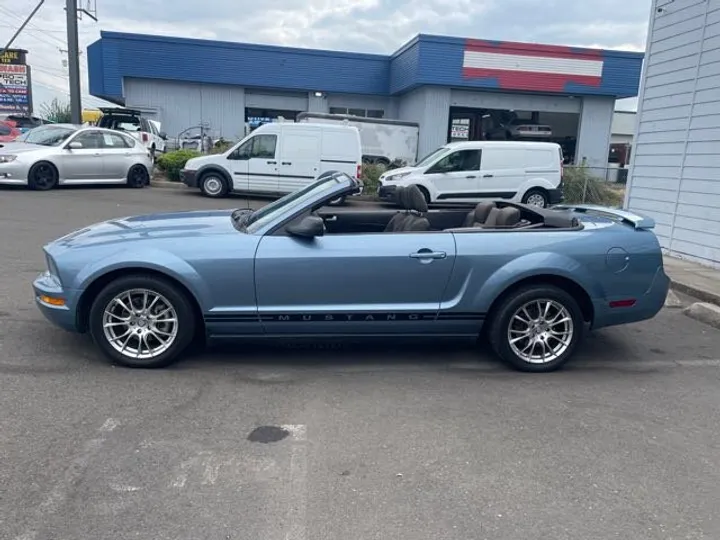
531	266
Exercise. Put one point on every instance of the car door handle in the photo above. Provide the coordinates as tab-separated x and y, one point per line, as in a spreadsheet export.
331	218
272	162
286	163
471	176
97	154
427	254
487	175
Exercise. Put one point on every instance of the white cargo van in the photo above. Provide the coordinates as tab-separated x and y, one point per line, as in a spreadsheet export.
383	141
277	158
518	171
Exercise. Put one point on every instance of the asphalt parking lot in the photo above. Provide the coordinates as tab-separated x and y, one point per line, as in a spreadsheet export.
400	441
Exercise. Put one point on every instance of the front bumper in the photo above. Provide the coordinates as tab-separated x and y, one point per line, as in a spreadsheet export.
13	173
48	287
189	178
387	192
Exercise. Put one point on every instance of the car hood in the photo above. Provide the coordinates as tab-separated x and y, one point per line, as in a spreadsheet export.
15	147
170	226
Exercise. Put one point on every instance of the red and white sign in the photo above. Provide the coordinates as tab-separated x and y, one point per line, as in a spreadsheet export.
522	66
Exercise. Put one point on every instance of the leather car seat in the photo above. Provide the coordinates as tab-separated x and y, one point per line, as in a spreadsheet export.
417	207
479	215
396	222
502	218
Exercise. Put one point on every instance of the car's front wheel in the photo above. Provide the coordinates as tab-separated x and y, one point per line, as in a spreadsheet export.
213	185
142	321
536	328
43	176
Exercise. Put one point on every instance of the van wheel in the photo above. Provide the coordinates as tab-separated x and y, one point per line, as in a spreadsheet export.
213	185
536	197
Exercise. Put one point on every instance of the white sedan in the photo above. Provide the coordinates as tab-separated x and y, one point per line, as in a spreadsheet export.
66	154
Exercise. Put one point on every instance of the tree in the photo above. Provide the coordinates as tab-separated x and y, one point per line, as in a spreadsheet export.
57	112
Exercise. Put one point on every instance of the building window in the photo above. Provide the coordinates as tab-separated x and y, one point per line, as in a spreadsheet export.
364	113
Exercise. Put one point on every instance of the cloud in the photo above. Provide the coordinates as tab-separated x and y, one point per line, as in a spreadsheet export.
379	26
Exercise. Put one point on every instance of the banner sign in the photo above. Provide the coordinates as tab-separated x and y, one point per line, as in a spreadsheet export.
13	56
15	90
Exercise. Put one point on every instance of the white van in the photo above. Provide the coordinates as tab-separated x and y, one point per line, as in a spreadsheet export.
277	158
518	171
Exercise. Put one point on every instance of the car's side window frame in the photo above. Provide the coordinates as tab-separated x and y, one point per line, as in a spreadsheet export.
76	136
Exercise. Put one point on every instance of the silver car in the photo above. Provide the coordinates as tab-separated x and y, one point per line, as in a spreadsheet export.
66	154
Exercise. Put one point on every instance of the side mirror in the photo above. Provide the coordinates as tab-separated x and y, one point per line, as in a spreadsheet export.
309	227
163	136
75	145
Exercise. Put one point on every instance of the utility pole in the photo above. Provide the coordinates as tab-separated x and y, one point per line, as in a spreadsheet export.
71	11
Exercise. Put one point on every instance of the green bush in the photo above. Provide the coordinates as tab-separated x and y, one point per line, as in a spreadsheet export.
172	163
371	177
580	186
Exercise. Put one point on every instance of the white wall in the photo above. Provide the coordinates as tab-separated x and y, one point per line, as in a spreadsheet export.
593	144
675	170
430	108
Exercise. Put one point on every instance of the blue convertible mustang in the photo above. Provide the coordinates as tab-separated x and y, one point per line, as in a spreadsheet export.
531	279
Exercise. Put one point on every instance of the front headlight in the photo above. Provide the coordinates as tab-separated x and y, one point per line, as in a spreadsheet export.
7	158
396	177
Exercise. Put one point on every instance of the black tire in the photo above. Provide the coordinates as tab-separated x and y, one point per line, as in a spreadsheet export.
213	185
536	194
425	193
184	329
504	317
138	177
43	176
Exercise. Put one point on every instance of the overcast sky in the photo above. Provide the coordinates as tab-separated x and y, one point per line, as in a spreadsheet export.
353	25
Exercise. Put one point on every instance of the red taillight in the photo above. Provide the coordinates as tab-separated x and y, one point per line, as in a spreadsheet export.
145	137
358	174
630	302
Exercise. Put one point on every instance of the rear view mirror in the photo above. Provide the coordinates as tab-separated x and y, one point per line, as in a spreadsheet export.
75	145
309	227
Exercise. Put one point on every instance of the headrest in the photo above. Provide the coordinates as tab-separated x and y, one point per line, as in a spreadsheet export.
414	199
399	196
482	211
508	217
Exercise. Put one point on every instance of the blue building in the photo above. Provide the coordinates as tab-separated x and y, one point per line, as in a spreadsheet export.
454	88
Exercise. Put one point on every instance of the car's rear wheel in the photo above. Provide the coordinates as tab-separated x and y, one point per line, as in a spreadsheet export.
43	176
536	328
536	197
138	177
213	185
142	322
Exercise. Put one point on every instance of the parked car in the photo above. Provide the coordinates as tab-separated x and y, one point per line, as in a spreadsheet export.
519	128
24	122
8	131
60	154
133	122
526	172
531	279
277	158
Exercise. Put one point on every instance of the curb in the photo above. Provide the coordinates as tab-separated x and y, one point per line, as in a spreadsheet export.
704	312
695	292
165	184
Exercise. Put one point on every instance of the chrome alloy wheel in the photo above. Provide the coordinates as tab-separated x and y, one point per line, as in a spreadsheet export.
540	331
140	323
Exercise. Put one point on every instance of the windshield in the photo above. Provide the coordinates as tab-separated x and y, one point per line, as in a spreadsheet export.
267	214
427	160
47	136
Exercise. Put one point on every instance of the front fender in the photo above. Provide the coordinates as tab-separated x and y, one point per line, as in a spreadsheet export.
148	259
530	266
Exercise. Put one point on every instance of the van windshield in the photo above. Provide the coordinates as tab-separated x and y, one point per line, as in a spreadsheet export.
427	160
